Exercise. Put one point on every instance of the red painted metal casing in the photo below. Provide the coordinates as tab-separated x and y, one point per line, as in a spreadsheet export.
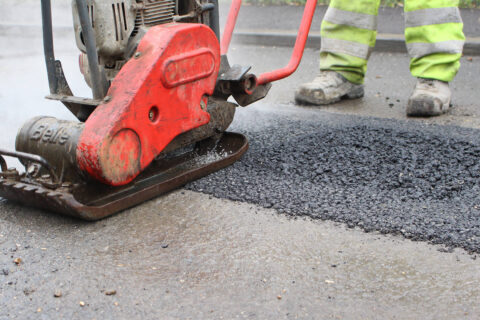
156	96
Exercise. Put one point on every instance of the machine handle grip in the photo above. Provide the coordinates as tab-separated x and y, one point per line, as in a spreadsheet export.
230	25
298	49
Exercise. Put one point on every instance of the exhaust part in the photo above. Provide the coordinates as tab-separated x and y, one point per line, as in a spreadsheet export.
54	140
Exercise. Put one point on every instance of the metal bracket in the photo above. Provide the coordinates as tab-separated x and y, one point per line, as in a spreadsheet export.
235	73
27	157
56	78
258	93
199	9
237	82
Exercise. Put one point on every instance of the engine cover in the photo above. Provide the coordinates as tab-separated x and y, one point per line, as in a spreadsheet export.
113	22
157	95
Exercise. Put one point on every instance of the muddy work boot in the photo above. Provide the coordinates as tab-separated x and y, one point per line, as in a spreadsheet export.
328	87
430	98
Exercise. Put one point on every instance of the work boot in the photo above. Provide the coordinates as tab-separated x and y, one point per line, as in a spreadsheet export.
328	87
430	98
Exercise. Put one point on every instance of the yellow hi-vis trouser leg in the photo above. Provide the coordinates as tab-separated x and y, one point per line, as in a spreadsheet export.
433	33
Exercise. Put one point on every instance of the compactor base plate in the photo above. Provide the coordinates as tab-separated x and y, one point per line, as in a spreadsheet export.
92	200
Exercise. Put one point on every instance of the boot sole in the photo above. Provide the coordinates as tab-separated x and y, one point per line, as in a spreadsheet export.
307	100
425	109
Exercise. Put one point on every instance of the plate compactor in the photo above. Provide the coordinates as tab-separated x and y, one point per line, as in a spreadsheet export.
160	81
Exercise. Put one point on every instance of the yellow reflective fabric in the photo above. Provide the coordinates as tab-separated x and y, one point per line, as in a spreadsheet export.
426	4
360	6
441	64
438	61
435	33
349	64
352	68
344	32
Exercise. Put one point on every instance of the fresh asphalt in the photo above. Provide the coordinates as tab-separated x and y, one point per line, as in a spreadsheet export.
414	180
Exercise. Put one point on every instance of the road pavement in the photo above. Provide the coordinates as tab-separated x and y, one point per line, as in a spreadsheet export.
190	255
287	18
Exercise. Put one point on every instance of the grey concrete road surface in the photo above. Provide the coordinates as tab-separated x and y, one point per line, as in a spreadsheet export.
188	255
287	18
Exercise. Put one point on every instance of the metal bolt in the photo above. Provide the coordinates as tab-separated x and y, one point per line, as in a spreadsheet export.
31	169
137	55
203	105
11	173
151	115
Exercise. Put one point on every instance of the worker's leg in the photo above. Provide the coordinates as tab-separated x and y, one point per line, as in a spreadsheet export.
348	32
434	36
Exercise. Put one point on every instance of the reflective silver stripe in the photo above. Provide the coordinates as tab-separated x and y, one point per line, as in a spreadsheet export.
353	19
420	49
355	49
426	17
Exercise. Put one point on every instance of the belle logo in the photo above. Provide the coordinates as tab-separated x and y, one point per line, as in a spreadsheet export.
48	135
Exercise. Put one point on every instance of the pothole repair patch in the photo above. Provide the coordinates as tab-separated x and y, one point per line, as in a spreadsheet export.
390	176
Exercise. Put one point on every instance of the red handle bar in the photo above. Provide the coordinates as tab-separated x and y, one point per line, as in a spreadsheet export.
297	53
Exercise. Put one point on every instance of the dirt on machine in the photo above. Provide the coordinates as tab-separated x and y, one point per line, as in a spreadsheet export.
159	112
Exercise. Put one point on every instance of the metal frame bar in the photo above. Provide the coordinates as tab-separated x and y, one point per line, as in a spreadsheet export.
98	88
298	49
92	55
48	47
214	19
32	158
3	165
230	25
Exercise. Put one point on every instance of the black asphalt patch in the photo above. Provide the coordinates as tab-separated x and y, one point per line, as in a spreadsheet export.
394	177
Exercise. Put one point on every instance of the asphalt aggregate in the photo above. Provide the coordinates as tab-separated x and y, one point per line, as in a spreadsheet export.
395	177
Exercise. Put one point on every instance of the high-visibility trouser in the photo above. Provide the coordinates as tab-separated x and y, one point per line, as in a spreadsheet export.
433	33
